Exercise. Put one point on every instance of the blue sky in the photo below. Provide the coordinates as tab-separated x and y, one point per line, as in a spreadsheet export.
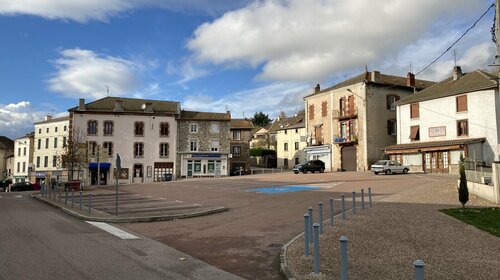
212	55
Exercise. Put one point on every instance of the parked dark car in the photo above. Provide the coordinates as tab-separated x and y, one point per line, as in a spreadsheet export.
5	183
237	171
312	165
22	186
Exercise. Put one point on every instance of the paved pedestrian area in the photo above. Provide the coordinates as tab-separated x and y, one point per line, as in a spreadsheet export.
385	241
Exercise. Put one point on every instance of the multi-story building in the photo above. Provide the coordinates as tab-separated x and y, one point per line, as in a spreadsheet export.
142	132
203	144
261	138
6	152
23	157
459	115
50	140
291	139
350	123
241	135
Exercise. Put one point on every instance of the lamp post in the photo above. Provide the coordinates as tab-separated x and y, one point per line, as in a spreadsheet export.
118	167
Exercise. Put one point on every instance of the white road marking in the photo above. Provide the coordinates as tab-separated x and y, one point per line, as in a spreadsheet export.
179	201
18	196
113	230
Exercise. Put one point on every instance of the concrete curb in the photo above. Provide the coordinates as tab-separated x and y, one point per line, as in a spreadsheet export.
107	218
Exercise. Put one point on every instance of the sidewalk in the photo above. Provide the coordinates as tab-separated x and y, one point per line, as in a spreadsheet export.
385	241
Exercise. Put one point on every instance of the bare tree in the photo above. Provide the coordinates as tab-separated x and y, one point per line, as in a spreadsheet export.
74	157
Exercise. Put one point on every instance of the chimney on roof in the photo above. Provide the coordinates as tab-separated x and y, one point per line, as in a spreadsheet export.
317	88
457	73
48	117
410	79
118	106
228	115
374	77
81	105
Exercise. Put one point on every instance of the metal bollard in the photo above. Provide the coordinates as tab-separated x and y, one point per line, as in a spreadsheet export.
331	212
343	207
80	200
343	258
419	269
316	248
66	198
354	203
310	210
320	204
72	198
362	199
306	235
370	197
90	203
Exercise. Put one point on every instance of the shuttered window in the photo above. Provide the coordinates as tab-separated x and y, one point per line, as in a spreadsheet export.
324	109
311	112
414	111
462	128
415	133
462	103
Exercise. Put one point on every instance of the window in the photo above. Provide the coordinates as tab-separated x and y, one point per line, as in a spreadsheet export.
55	128
286	131
311	112
138	149
163	149
108	128
65	128
18	167
236	135
24	166
296	146
37	161
46	143
285	146
324	109
214	128
415	132
19	151
64	142
92	148
414	111
462	128
214	145
391	127
237	151
139	128
391	102
55	142
92	127
318	135
193	128
54	161
164	129
462	103
285	163
39	144
296	130
342	106
108	146
39	131
24	151
46	161
297	161
47	130
193	146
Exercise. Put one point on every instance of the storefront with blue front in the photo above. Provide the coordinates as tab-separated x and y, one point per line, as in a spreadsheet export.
204	165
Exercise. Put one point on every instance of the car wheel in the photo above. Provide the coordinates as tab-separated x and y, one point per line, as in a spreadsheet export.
321	170
376	173
304	171
405	171
388	172
296	172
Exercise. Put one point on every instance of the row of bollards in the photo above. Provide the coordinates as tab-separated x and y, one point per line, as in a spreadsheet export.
51	194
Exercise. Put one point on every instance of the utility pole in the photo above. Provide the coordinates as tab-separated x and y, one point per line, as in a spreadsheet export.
497	60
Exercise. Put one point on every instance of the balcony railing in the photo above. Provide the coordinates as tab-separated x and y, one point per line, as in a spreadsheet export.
347	139
346	114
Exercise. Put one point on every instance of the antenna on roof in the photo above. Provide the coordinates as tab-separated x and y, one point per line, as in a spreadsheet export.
410	67
107	90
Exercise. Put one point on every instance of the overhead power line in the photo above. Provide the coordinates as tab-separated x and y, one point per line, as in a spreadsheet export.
449	48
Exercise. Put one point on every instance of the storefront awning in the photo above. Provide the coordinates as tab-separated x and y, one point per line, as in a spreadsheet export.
431	146
103	165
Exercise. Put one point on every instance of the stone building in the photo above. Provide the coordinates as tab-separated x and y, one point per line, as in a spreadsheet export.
241	135
203	144
350	123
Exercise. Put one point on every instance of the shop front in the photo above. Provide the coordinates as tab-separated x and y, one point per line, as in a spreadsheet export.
100	171
323	153
204	165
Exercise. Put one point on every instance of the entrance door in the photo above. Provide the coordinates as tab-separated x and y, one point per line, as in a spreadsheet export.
348	158
436	162
190	169
138	173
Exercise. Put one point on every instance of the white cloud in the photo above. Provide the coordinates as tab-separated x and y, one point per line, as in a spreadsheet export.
271	99
83	73
187	70
87	10
16	119
309	40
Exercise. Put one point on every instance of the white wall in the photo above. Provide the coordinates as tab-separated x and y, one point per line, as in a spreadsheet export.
50	152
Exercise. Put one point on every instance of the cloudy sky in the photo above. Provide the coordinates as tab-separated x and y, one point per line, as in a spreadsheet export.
211	55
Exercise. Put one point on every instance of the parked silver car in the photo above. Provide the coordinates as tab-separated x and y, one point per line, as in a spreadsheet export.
388	167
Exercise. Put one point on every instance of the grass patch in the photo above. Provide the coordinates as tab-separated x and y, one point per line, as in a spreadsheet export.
487	219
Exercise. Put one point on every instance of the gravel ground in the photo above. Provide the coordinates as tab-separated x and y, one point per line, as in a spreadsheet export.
385	241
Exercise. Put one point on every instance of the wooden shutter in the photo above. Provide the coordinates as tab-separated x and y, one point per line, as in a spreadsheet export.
414	134
311	112
324	109
350	102
414	111
462	103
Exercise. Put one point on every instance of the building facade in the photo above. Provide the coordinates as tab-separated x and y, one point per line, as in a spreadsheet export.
6	153
23	158
142	132
291	139
50	140
459	115
203	144
349	124
241	135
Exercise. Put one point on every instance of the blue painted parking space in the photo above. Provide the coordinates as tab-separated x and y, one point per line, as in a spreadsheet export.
284	189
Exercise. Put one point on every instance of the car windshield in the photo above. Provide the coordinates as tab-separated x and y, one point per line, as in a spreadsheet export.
380	162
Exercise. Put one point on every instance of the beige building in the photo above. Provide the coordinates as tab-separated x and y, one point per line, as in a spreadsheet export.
49	144
23	157
142	132
291	139
349	124
241	135
6	154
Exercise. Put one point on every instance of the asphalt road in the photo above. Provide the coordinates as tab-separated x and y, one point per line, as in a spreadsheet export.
39	242
246	240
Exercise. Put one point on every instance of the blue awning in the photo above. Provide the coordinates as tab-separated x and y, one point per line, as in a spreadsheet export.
103	165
